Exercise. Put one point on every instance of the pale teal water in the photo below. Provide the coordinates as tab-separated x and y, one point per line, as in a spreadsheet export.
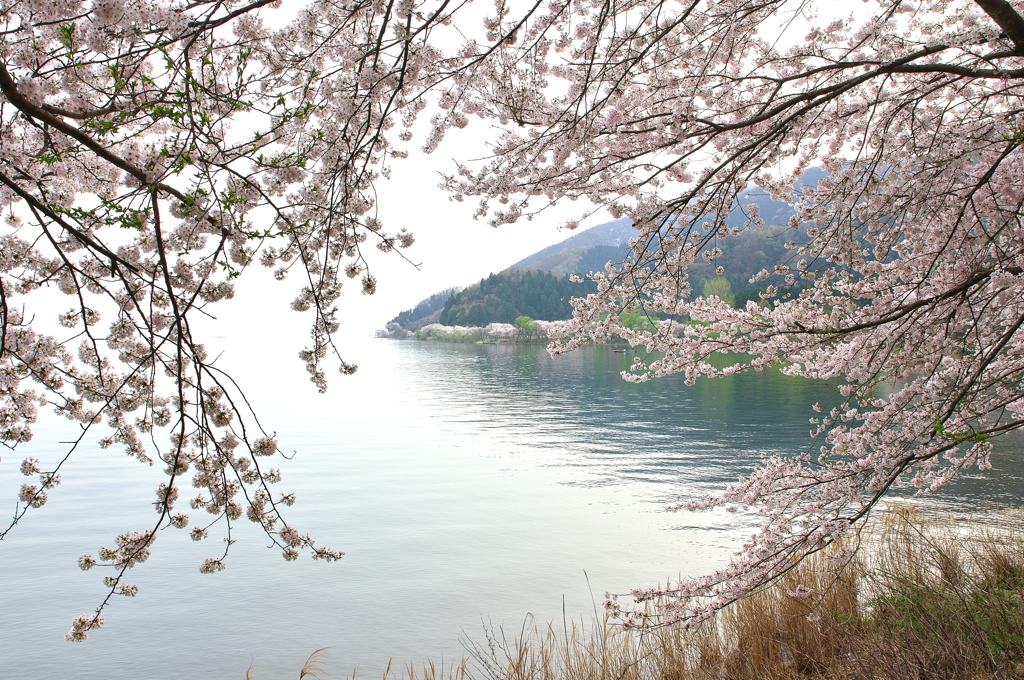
466	483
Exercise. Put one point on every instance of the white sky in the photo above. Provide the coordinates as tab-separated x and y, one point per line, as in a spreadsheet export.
451	249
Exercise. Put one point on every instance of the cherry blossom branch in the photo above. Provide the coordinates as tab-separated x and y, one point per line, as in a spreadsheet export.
1008	19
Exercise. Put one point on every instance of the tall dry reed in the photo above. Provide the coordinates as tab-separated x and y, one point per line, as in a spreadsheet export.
921	599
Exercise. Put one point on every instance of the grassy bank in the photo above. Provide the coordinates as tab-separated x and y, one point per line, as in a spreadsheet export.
922	599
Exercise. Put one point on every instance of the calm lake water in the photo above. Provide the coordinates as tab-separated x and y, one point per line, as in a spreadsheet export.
469	485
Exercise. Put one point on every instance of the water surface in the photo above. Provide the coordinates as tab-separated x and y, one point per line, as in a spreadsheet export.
468	485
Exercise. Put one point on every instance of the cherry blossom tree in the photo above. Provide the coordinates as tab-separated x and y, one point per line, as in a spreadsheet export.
151	150
905	281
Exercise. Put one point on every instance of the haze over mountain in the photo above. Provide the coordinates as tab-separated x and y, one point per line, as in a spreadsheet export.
584	251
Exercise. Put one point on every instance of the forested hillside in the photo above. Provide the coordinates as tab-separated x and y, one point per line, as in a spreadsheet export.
540	294
743	256
503	297
426	311
537	286
581	260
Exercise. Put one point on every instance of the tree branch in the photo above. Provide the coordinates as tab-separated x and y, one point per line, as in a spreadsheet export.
10	90
86	240
1006	16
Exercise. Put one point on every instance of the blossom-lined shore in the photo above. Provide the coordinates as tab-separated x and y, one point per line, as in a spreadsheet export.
532	330
525	329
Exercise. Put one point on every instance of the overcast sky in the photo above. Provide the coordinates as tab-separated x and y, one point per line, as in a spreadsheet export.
451	248
258	329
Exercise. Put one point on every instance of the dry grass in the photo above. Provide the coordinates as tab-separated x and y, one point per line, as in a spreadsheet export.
923	599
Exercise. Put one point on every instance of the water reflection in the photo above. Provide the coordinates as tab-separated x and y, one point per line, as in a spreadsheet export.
579	412
694	438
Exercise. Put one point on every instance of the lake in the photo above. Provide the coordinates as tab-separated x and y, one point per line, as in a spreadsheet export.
469	485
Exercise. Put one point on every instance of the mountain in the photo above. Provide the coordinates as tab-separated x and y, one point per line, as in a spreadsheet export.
544	297
591	249
544	294
575	254
502	297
